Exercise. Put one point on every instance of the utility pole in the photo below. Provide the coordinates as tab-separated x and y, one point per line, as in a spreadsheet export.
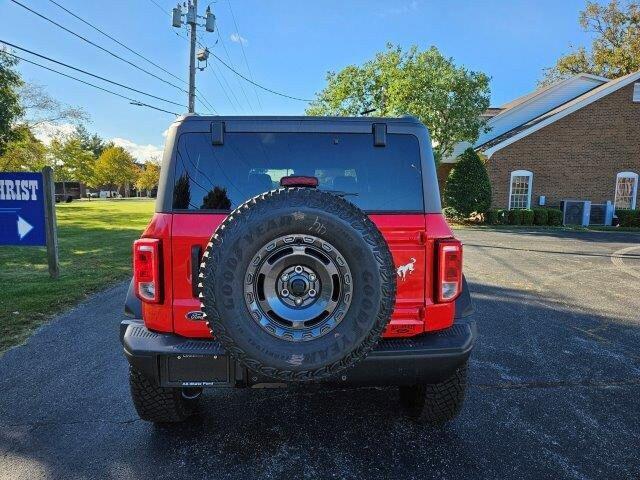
191	17
192	13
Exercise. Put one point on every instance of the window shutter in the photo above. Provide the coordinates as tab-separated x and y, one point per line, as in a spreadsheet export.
636	92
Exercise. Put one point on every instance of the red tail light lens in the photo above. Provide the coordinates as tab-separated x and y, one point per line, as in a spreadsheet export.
146	270
449	281
299	181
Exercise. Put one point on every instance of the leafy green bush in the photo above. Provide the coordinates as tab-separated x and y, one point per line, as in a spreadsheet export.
452	214
492	216
540	216
628	218
527	217
555	216
515	217
468	188
503	216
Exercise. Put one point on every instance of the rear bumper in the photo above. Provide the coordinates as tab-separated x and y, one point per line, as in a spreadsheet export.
172	360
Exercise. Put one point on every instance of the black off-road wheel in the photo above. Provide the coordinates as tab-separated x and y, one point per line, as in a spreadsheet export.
297	284
160	404
436	403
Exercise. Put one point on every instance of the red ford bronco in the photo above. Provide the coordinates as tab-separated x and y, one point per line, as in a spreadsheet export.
289	250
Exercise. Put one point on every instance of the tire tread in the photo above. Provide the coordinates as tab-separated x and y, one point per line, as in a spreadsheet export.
158	404
436	403
332	204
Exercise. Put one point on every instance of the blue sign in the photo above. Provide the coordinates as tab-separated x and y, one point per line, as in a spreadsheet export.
22	209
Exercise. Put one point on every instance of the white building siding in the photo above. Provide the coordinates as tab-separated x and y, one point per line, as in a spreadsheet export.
528	107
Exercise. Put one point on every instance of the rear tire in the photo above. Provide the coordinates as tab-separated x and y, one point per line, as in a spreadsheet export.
436	403
161	404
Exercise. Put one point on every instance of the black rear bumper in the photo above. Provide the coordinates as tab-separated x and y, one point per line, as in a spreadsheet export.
172	360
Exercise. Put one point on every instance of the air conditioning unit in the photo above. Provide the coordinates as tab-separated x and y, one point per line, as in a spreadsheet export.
601	213
576	212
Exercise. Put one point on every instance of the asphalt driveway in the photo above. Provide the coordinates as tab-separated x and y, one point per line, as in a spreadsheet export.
555	383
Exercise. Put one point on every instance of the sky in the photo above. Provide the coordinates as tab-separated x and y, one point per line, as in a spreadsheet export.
289	46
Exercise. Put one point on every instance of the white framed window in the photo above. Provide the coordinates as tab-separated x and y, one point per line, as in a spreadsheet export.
626	190
520	189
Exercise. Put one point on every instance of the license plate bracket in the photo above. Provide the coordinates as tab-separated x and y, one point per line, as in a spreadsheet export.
196	371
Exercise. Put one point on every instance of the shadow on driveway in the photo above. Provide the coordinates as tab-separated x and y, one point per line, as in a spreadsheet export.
535	234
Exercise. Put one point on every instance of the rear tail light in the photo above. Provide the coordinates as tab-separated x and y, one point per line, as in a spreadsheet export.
146	270
449	273
299	181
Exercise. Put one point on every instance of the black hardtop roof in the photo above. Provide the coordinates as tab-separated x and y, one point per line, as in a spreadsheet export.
193	123
407	119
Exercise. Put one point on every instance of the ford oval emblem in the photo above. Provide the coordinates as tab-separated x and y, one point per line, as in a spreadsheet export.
195	315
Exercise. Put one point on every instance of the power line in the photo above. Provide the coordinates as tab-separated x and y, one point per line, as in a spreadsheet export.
89	73
97	46
258	85
224	91
224	46
243	52
202	99
201	45
160	7
133	101
231	67
117	41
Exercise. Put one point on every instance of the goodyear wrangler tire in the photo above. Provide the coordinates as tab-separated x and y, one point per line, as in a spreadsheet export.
160	404
297	284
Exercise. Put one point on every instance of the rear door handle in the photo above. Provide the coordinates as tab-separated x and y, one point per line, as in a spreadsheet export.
195	269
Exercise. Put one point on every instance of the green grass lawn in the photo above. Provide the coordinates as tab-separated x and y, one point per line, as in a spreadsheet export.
95	250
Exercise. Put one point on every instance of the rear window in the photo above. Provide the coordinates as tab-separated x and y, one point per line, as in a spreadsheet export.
221	177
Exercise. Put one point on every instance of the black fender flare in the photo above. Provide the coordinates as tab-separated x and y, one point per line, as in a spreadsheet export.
464	306
132	304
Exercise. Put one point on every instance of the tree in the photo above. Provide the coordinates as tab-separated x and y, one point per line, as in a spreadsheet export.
468	188
615	50
216	199
71	162
41	109
10	107
90	141
115	168
149	177
24	152
447	98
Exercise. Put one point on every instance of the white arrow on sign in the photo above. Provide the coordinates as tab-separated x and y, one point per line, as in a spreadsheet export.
24	227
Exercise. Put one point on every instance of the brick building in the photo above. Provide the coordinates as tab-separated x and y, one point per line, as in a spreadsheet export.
578	139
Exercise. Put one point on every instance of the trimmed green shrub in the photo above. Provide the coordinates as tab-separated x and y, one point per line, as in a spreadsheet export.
628	218
491	216
452	214
503	216
555	216
468	188
515	217
527	217
540	216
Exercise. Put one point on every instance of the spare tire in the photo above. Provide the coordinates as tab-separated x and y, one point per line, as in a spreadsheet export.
297	284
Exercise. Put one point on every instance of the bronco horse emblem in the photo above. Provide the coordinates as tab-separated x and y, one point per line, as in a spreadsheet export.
407	268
